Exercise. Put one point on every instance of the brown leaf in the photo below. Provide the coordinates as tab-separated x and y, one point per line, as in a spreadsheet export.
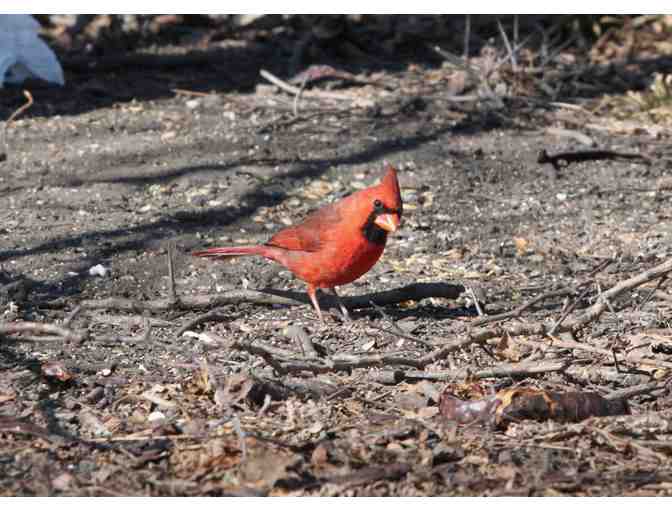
6	395
56	370
470	411
371	474
319	456
521	245
235	390
513	405
91	424
9	424
526	403
62	482
265	466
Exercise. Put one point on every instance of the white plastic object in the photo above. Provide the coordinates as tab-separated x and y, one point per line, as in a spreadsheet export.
23	54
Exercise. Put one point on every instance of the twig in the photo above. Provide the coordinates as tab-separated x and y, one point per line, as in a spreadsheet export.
129	320
148	331
640	389
413	292
615	441
172	294
291	89
396	330
663	295
517	312
297	97
17	112
572	344
505	38
57	333
600	296
346	389
300	335
286	362
476	303
477	77
598	308
71	316
481	335
653	291
241	437
524	369
10	425
206	317
502	60
564	159
547	295
569	310
192	93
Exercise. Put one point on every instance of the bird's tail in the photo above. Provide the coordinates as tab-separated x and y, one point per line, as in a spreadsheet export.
232	251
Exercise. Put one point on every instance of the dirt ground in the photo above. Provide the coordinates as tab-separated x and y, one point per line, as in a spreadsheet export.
128	160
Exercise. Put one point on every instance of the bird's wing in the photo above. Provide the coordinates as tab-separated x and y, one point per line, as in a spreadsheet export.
311	233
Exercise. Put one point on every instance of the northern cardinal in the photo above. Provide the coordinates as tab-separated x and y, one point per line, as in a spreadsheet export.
336	244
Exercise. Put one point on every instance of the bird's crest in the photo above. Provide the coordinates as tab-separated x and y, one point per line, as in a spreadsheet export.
390	187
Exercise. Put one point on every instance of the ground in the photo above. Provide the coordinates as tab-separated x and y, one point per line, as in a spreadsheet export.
123	164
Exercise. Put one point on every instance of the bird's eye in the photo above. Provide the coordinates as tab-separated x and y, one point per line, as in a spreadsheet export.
377	204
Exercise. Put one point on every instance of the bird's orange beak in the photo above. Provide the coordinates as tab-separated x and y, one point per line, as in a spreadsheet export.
388	222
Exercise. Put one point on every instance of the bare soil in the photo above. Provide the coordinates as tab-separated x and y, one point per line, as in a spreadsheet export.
115	166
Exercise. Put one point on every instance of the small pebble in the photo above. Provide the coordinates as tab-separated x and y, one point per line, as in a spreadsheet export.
99	270
156	416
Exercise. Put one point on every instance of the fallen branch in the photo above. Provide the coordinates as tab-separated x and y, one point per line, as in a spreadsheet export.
479	335
517	312
338	362
413	292
639	359
35	329
474	72
564	159
296	91
524	369
598	308
285	361
663	295
640	389
300	335
566	291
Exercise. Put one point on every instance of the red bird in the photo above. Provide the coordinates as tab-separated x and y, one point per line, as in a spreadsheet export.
336	244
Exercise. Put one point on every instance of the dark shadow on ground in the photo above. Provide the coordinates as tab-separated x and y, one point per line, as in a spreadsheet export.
113	242
101	80
154	72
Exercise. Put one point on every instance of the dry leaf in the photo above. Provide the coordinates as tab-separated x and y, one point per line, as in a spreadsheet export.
521	245
56	370
319	455
265	466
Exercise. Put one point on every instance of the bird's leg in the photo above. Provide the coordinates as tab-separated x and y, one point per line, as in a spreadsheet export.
341	305
313	299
